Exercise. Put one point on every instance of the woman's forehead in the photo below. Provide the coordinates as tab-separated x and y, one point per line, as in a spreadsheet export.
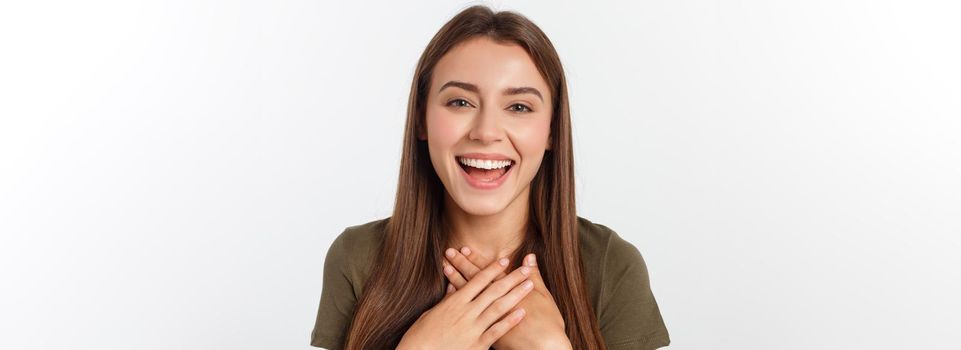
489	65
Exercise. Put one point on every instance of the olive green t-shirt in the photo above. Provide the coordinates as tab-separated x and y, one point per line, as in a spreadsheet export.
617	281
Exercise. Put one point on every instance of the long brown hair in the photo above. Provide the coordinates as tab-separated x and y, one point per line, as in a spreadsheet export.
407	278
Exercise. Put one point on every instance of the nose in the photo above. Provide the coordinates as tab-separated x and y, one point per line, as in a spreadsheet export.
486	127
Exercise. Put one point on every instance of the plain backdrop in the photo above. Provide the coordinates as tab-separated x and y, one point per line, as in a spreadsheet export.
173	172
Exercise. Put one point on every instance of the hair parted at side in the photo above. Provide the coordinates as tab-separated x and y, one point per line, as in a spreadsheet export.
407	278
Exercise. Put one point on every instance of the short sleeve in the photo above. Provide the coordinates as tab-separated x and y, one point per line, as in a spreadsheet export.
337	299
629	315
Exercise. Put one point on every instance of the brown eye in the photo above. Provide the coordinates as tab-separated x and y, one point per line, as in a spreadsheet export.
459	102
522	108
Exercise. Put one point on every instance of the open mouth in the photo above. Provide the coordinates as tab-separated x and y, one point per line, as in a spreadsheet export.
485	170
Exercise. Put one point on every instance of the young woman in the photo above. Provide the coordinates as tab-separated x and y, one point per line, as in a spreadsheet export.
484	248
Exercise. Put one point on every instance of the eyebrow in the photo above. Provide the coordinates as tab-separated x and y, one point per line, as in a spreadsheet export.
508	91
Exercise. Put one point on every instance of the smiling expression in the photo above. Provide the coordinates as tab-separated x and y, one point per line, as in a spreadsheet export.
488	121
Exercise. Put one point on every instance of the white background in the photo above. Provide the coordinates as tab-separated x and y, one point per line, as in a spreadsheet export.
172	172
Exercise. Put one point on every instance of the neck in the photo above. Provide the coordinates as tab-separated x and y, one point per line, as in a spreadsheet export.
493	236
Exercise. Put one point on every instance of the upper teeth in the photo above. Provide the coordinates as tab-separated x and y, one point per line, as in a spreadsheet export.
485	163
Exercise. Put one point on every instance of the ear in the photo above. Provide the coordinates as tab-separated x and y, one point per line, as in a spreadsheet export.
421	134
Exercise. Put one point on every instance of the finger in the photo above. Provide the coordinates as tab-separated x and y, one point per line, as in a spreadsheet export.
531	261
482	279
506	303
477	260
459	260
496	331
500	288
448	292
453	275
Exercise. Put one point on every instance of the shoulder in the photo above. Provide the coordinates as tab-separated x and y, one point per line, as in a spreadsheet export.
346	268
619	286
354	250
360	237
602	245
607	258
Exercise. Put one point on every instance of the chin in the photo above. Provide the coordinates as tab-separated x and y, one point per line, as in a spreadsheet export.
480	206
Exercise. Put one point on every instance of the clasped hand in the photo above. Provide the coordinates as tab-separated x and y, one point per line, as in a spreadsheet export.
472	316
543	325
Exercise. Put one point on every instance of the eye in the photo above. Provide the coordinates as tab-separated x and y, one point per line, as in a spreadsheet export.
522	109
458	102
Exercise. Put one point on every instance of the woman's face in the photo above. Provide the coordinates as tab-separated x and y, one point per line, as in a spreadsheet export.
488	124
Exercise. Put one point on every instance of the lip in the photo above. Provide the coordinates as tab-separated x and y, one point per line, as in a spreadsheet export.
483	185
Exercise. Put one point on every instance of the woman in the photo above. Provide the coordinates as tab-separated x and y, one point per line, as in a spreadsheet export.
487	168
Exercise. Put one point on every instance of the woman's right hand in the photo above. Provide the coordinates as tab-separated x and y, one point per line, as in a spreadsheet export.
473	316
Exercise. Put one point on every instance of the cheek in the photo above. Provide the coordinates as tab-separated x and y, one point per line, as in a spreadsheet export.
531	138
443	130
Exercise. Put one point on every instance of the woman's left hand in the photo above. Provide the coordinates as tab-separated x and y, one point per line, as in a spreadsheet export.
543	325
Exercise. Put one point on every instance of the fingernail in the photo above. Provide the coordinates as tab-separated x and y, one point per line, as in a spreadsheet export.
503	261
465	251
450	288
525	270
528	284
450	252
520	312
531	260
448	270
